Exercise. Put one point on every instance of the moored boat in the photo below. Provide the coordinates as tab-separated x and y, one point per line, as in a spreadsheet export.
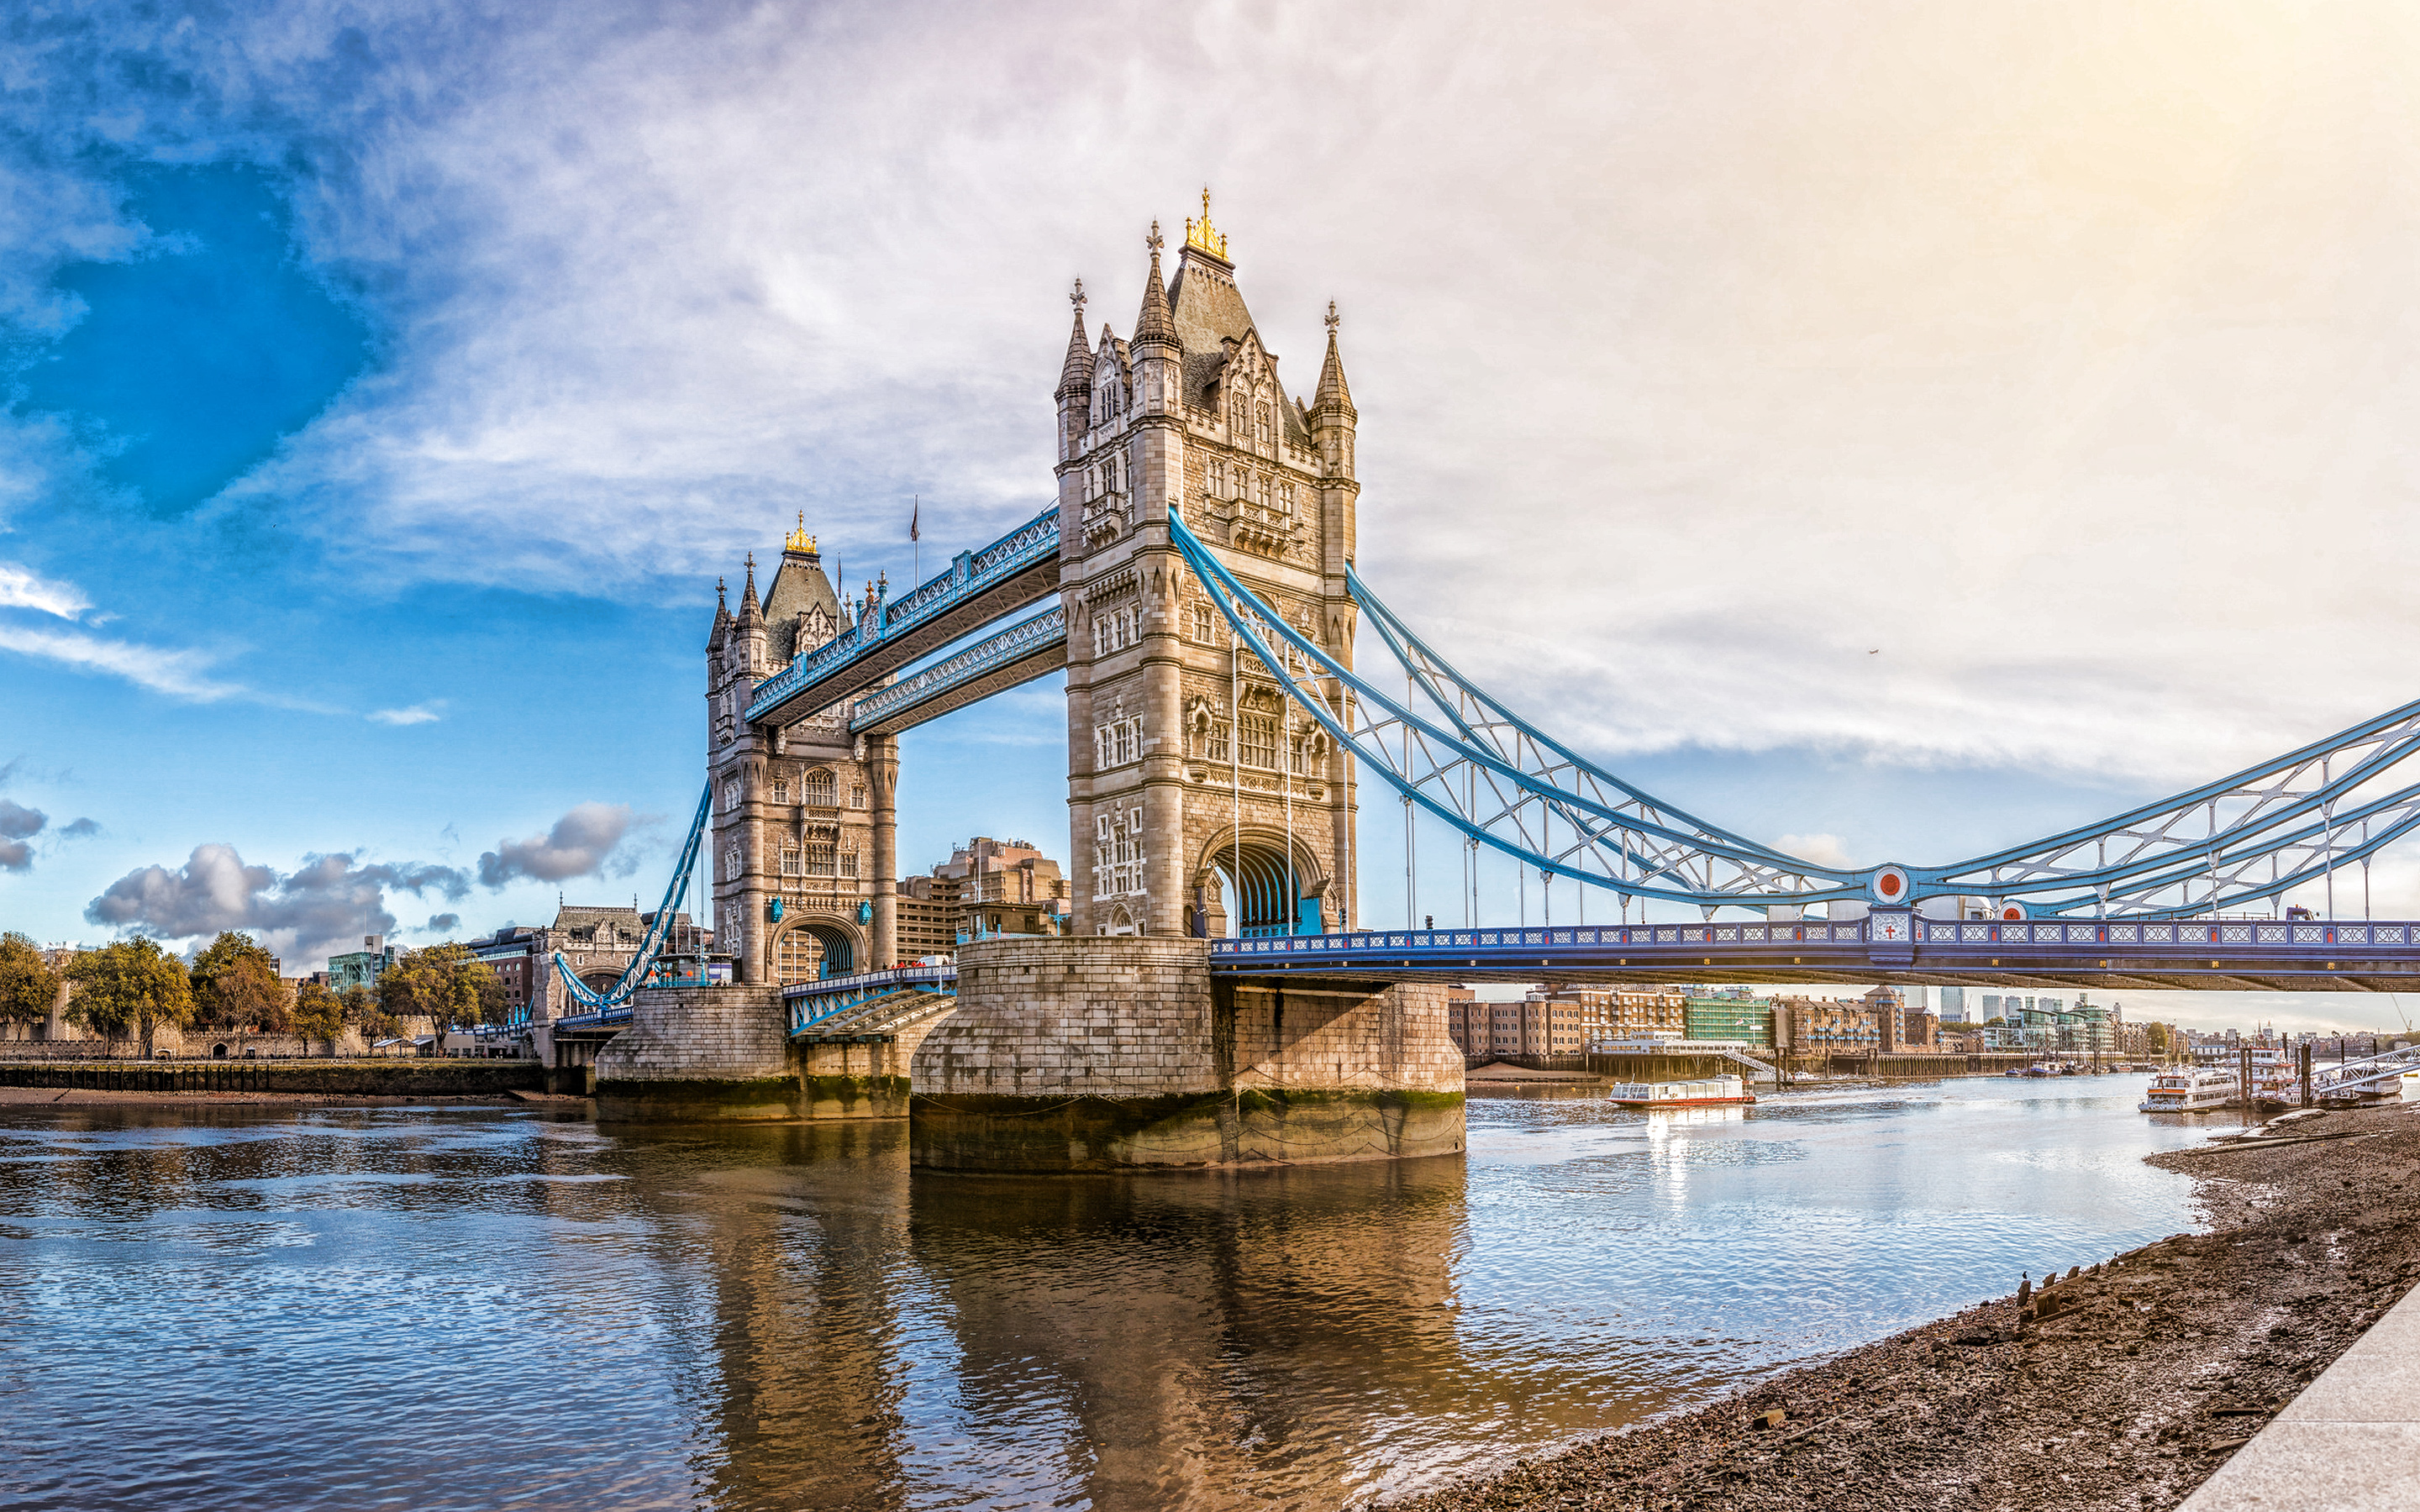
2189	1091
1713	1091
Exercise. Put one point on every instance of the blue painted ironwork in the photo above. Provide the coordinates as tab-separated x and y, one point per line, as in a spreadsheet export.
651	944
1502	782
1023	640
971	573
869	1002
1890	946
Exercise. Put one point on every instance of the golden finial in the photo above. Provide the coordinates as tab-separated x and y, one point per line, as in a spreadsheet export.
1201	234
800	540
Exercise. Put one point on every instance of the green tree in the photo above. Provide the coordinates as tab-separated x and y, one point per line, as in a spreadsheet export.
29	987
2157	1035
236	985
131	987
446	984
318	1013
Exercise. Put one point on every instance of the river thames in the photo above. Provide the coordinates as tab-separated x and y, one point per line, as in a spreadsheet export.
480	1308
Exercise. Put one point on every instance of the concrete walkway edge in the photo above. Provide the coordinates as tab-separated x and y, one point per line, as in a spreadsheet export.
2348	1443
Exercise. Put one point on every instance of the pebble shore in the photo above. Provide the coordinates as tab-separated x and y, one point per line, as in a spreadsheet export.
2119	1388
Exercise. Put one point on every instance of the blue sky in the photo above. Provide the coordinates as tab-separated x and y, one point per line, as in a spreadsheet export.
1885	433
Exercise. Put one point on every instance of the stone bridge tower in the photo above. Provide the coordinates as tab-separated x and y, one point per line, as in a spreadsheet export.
804	822
1186	764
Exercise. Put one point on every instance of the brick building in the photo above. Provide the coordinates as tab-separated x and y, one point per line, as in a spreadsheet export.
597	943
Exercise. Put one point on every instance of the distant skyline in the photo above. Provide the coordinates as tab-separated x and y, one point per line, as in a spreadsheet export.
1889	432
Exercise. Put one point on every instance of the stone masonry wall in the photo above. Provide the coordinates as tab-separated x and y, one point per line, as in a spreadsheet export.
699	1033
1280	1037
1119	1017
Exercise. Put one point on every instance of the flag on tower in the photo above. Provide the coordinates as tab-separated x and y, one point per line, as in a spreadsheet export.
915	508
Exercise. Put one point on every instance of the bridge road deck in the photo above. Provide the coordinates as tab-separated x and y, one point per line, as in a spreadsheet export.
2222	955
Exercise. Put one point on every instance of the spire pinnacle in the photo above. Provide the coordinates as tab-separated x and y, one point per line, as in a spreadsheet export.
1155	324
752	609
1076	373
1202	236
1332	393
798	539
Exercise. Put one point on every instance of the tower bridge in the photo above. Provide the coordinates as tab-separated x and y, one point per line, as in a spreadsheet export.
1219	999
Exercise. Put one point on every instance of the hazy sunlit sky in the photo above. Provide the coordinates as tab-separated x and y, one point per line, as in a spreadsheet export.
1889	430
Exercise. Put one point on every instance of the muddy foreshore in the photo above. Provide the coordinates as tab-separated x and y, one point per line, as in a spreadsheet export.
2121	1388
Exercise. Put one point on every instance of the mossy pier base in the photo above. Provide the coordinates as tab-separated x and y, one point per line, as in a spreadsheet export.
1122	1054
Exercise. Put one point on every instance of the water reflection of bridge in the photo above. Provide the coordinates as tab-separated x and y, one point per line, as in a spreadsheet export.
877	1341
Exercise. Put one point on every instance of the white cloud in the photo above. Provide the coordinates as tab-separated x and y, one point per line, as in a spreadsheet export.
1699	355
418	713
21	588
581	845
324	904
179	674
1824	850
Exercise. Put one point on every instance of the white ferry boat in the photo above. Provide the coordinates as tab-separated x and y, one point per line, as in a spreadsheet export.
1714	1091
2189	1091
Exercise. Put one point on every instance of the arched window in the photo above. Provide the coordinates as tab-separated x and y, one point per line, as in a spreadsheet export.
780	790
821	791
1218	480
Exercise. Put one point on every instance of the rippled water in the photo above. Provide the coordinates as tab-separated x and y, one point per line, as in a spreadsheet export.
437	1308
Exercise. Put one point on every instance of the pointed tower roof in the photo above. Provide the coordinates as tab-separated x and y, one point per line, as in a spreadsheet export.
721	630
799	593
1332	394
1155	323
751	612
1076	373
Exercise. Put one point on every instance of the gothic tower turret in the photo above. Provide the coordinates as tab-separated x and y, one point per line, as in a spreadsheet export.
1191	775
801	837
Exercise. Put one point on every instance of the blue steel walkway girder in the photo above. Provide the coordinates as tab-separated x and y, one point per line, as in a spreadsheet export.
2217	955
1029	649
1015	572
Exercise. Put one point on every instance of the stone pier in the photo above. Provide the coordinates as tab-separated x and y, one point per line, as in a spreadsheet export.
1093	1054
695	1054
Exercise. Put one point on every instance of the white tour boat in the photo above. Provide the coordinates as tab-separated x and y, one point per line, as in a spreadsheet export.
1711	1092
2189	1091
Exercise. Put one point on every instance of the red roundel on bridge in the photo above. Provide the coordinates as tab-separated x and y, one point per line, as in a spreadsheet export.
2012	910
1890	885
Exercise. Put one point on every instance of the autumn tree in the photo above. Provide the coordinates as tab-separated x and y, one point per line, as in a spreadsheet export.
318	1013
236	985
132	986
29	987
446	983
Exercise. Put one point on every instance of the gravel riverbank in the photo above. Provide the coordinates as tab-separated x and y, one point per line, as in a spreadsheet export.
2121	1388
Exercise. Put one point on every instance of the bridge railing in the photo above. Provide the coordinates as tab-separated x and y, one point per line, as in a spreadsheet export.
2190	936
